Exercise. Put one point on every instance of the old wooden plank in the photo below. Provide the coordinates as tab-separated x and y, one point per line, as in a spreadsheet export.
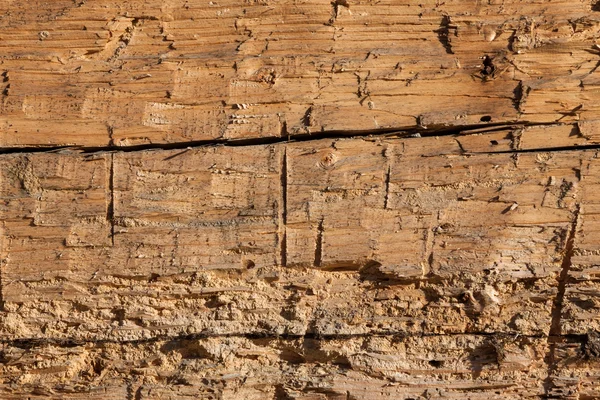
449	367
329	237
99	73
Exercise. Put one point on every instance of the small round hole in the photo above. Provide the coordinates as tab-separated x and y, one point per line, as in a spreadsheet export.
486	118
436	363
494	142
249	264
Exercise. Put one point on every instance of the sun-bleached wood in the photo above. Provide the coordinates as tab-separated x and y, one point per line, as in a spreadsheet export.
98	72
246	249
225	239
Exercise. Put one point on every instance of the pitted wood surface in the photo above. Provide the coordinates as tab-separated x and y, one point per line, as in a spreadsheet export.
331	239
103	73
374	238
184	213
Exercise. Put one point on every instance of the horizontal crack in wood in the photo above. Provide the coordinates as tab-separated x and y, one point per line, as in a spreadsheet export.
413	134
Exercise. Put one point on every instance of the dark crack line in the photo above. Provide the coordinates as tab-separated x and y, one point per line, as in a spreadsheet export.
387	186
283	210
111	205
460	146
538	150
400	133
557	307
29	343
319	245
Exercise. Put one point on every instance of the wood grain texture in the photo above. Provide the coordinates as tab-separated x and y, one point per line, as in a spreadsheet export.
329	237
399	240
450	367
302	199
103	73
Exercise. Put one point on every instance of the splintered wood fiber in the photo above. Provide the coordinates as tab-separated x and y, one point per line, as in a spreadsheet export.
299	199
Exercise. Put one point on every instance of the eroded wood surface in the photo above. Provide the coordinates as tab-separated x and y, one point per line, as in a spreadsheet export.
330	239
449	367
99	72
182	215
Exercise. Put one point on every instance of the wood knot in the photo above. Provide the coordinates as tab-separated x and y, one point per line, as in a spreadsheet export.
328	161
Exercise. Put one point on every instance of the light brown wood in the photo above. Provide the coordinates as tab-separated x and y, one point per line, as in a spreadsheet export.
299	199
258	368
378	240
99	72
328	238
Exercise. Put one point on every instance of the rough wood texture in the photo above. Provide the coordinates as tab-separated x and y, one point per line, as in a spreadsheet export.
449	367
183	214
328	238
101	72
377	240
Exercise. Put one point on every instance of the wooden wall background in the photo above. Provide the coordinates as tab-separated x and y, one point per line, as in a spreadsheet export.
299	199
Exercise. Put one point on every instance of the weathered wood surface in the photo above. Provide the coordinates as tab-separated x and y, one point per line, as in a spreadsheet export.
103	72
413	238
323	237
247	249
448	367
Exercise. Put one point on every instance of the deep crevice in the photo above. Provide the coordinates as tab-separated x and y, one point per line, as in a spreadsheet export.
400	132
387	186
443	33
319	245
557	307
541	149
283	210
110	212
29	343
